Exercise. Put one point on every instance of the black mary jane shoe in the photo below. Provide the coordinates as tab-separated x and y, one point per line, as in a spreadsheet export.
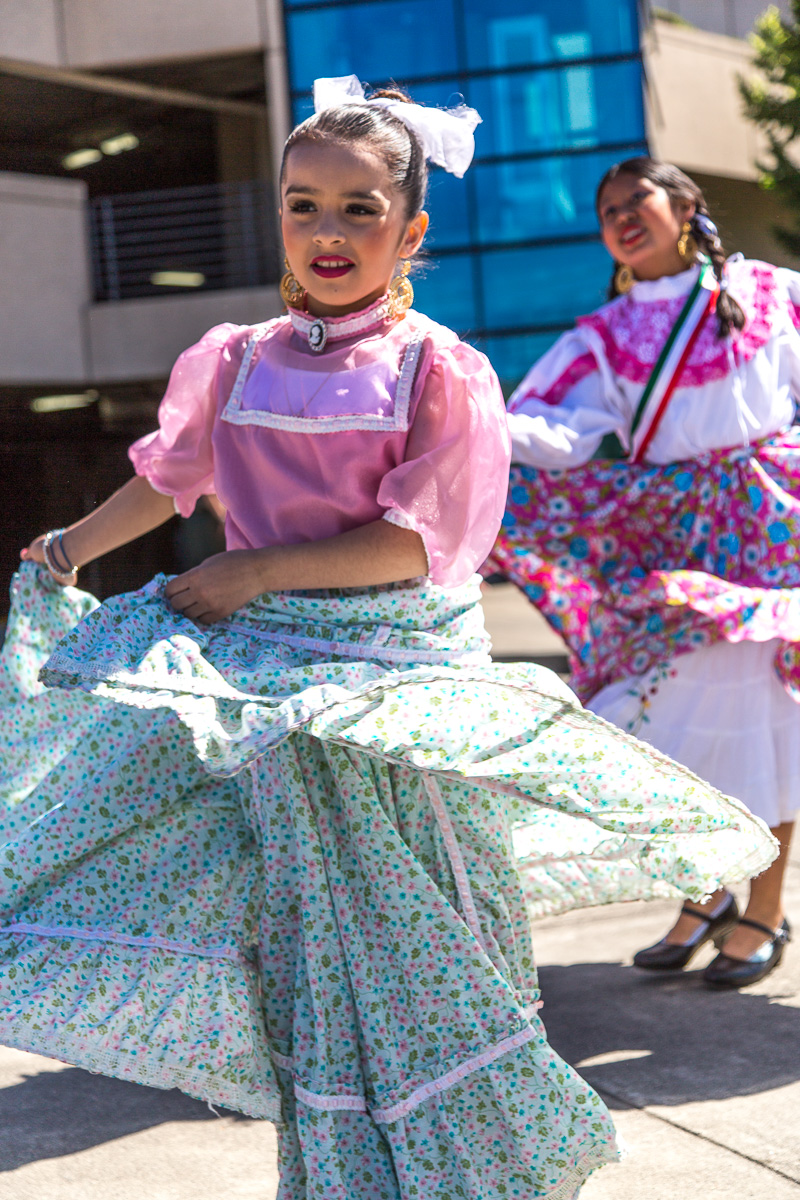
727	972
669	956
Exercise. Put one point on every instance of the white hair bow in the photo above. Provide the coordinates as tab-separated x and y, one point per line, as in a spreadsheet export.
445	133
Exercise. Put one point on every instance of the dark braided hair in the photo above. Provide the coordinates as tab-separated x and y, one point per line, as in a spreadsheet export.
377	129
680	187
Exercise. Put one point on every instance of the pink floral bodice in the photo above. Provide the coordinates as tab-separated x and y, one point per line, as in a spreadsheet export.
393	420
731	391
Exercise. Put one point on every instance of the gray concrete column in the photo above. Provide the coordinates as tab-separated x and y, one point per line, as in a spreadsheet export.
276	71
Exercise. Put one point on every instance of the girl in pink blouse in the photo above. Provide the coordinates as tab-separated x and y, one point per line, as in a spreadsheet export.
257	828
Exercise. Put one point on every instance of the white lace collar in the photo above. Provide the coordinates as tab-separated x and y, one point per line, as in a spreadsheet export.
318	331
667	287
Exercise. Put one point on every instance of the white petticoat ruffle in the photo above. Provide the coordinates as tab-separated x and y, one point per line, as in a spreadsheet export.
724	714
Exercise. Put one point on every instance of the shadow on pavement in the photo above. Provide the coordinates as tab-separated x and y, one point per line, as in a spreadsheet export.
57	1113
685	1042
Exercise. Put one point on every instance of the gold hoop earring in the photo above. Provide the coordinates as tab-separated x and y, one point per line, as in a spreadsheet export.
624	279
292	291
401	293
687	246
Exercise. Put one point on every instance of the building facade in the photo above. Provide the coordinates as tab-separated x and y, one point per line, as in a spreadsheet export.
513	252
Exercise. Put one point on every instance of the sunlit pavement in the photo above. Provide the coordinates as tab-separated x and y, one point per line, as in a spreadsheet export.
704	1086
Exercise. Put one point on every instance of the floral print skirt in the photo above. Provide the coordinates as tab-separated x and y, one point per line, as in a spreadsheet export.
635	565
287	863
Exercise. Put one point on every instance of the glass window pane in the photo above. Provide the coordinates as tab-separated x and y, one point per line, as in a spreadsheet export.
445	292
545	285
541	197
567	108
302	107
374	41
511	357
447	207
499	35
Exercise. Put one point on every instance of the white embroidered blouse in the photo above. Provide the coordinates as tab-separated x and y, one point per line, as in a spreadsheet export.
731	392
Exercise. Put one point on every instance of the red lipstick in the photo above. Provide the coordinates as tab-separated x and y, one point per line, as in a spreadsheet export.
331	266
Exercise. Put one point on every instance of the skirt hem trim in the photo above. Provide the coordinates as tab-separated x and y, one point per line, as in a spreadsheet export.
164	1077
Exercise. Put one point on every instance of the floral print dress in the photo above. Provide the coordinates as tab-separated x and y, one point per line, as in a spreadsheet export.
675	582
250	863
288	862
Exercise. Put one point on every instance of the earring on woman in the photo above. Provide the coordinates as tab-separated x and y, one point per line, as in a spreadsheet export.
292	291
401	293
687	245
624	279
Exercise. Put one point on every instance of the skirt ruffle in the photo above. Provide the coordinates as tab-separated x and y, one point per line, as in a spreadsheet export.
169	1016
270	863
593	810
634	565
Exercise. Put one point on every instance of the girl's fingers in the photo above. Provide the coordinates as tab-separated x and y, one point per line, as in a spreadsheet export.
175	587
34	552
189	606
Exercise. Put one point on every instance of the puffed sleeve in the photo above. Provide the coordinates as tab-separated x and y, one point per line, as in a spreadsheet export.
451	487
177	459
564	406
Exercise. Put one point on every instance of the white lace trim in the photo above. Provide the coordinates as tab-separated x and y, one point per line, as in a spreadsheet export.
330	1103
234	414
338	328
154	1072
395	1112
365	651
122	939
456	858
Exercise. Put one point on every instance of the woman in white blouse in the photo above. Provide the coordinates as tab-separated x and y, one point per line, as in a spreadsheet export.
674	576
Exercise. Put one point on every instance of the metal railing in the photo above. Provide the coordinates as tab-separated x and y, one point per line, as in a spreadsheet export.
206	237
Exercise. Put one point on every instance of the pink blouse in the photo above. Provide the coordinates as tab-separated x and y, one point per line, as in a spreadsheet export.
394	420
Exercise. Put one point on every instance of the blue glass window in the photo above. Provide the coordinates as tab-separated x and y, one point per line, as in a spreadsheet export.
555	116
499	35
395	40
555	109
511	357
448	209
446	292
528	199
544	285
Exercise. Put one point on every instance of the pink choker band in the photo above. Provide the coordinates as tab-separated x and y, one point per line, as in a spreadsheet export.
318	331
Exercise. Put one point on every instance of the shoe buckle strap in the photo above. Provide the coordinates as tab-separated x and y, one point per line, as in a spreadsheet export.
781	935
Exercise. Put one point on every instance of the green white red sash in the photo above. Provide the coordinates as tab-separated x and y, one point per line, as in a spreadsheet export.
701	301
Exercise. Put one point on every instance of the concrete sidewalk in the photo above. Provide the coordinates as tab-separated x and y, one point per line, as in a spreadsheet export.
704	1086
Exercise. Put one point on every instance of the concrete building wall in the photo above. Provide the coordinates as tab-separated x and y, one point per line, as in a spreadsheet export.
732	17
107	31
140	339
52	333
32	30
44	284
695	120
91	33
694	108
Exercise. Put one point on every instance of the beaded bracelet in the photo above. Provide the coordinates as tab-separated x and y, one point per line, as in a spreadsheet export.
61	576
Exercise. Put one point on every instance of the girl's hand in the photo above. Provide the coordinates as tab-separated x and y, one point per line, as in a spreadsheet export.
219	586
34	552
